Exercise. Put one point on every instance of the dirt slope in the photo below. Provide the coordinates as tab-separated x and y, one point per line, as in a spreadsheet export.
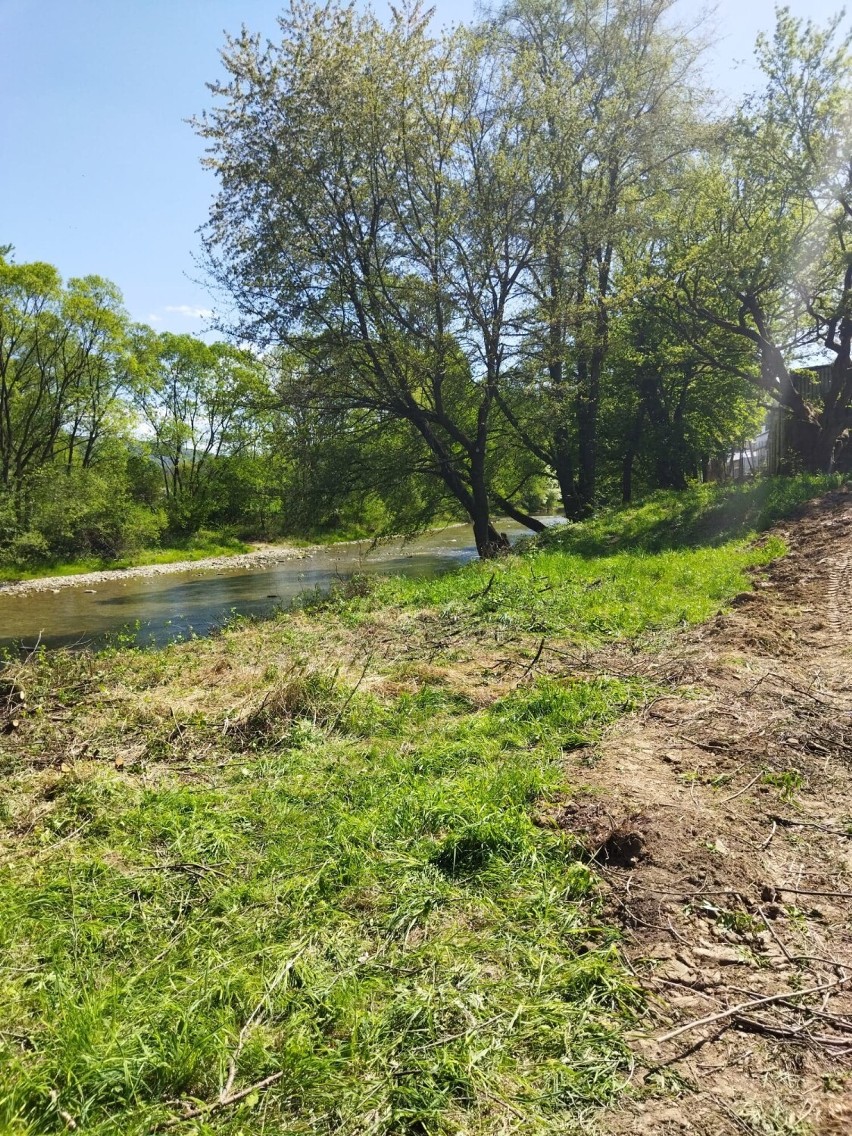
724	818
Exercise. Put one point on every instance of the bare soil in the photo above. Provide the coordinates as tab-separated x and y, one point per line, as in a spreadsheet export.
721	818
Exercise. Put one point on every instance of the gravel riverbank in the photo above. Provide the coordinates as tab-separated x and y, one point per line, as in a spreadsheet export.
264	557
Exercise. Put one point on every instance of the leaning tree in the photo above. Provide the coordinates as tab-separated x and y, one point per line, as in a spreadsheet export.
374	213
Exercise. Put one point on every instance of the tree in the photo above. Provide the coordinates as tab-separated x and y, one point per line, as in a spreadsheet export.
676	396
197	401
374	214
64	365
761	246
609	97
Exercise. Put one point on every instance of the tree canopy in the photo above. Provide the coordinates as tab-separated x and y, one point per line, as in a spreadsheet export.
465	270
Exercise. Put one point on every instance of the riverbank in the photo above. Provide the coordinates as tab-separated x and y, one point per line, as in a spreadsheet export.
250	556
265	556
341	869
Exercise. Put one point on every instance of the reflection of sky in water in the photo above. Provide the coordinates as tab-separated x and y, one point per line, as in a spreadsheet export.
176	605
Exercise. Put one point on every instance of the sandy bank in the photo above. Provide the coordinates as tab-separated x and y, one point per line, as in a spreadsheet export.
265	557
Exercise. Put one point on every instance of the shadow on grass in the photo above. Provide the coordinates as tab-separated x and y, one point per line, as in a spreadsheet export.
703	515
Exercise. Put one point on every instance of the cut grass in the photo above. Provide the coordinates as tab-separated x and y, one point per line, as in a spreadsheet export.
370	908
307	850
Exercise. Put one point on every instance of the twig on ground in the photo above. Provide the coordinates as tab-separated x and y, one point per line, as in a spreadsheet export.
178	726
222	1102
351	694
734	1011
252	1018
788	822
188	866
534	660
504	1103
462	1033
485	590
803	891
752	1025
768	927
744	789
70	1122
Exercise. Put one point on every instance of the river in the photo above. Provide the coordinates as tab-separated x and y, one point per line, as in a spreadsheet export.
178	605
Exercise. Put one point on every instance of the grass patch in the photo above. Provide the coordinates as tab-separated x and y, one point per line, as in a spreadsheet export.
368	911
674	559
704	515
306	850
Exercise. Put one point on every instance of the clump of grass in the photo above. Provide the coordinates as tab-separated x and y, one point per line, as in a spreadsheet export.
310	696
787	782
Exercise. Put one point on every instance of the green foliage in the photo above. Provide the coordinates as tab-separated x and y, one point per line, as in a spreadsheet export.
82	512
540	270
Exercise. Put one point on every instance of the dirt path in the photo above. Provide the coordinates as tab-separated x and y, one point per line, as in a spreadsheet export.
264	556
724	818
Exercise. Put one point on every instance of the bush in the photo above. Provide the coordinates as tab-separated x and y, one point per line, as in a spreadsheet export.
62	514
26	549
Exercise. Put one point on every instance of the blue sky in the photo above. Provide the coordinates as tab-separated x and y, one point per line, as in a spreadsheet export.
99	172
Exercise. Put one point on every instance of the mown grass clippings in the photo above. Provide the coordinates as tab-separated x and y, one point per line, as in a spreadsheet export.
434	940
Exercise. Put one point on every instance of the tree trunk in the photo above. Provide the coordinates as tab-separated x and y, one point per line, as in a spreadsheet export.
811	445
531	523
563	468
489	542
633	440
589	400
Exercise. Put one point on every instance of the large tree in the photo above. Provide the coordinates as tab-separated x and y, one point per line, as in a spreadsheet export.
761	247
64	366
374	213
198	402
608	89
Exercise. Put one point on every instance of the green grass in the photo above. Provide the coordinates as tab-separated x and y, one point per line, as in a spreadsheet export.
674	559
703	516
360	900
235	855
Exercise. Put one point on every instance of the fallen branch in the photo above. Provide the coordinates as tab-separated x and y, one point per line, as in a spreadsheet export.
534	660
802	891
768	927
752	1025
788	822
222	1102
734	1011
485	590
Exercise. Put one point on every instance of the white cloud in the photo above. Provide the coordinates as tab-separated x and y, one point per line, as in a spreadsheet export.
155	319
189	311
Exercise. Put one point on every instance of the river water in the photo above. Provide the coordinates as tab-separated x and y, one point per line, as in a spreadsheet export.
177	605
